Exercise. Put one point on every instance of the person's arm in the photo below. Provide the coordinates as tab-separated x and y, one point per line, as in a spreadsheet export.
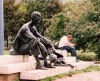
70	44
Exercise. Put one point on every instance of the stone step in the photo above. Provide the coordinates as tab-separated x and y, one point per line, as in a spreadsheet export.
8	59
19	63
40	74
82	65
17	67
70	59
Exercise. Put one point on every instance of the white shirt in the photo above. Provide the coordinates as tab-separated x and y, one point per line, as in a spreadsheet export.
63	41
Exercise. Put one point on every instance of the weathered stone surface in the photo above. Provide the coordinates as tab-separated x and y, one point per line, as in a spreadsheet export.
40	74
70	59
12	66
17	67
8	59
82	65
89	76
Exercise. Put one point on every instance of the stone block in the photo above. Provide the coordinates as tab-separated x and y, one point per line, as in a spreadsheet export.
70	59
8	59
40	74
17	67
82	65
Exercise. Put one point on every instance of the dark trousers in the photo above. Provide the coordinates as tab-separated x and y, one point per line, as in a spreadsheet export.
72	50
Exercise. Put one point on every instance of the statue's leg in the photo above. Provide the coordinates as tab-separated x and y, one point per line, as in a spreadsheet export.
43	52
44	55
26	48
36	51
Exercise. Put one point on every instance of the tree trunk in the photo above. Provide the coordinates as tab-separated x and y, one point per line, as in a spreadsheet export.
7	43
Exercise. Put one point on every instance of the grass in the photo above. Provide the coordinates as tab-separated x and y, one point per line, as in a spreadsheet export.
70	74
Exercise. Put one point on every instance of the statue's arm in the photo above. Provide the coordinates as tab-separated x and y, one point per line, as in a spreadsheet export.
29	34
40	36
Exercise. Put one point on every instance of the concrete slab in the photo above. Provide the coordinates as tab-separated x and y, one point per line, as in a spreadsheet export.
82	65
13	64
8	59
70	59
40	74
17	67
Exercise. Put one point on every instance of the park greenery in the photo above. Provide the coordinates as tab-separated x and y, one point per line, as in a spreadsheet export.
80	18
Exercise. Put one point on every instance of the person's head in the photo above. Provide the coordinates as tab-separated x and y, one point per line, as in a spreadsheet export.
36	17
70	37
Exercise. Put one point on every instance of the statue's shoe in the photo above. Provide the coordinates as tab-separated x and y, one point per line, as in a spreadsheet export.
49	66
57	63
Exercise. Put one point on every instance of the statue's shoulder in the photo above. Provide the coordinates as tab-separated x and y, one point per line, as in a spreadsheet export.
25	26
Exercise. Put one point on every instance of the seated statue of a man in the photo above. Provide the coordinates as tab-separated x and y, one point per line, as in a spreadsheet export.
29	41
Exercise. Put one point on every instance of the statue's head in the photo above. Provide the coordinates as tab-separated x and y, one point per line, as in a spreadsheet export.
36	17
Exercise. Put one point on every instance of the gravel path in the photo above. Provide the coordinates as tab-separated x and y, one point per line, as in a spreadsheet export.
90	76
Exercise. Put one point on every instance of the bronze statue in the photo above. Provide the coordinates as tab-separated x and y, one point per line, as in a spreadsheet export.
29	41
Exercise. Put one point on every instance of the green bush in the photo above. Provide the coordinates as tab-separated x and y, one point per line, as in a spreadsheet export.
58	25
96	46
87	57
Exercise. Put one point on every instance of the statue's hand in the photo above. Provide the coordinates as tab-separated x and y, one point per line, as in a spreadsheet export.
37	40
48	41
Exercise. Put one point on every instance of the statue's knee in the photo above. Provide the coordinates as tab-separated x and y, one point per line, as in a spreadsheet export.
53	57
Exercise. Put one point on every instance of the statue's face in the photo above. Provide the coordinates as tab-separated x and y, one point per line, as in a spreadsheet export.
36	19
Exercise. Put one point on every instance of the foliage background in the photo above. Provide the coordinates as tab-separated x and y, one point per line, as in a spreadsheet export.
79	18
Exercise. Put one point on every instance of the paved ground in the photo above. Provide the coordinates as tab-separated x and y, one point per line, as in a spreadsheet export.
90	76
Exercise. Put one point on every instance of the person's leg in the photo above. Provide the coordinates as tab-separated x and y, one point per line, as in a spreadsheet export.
71	50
